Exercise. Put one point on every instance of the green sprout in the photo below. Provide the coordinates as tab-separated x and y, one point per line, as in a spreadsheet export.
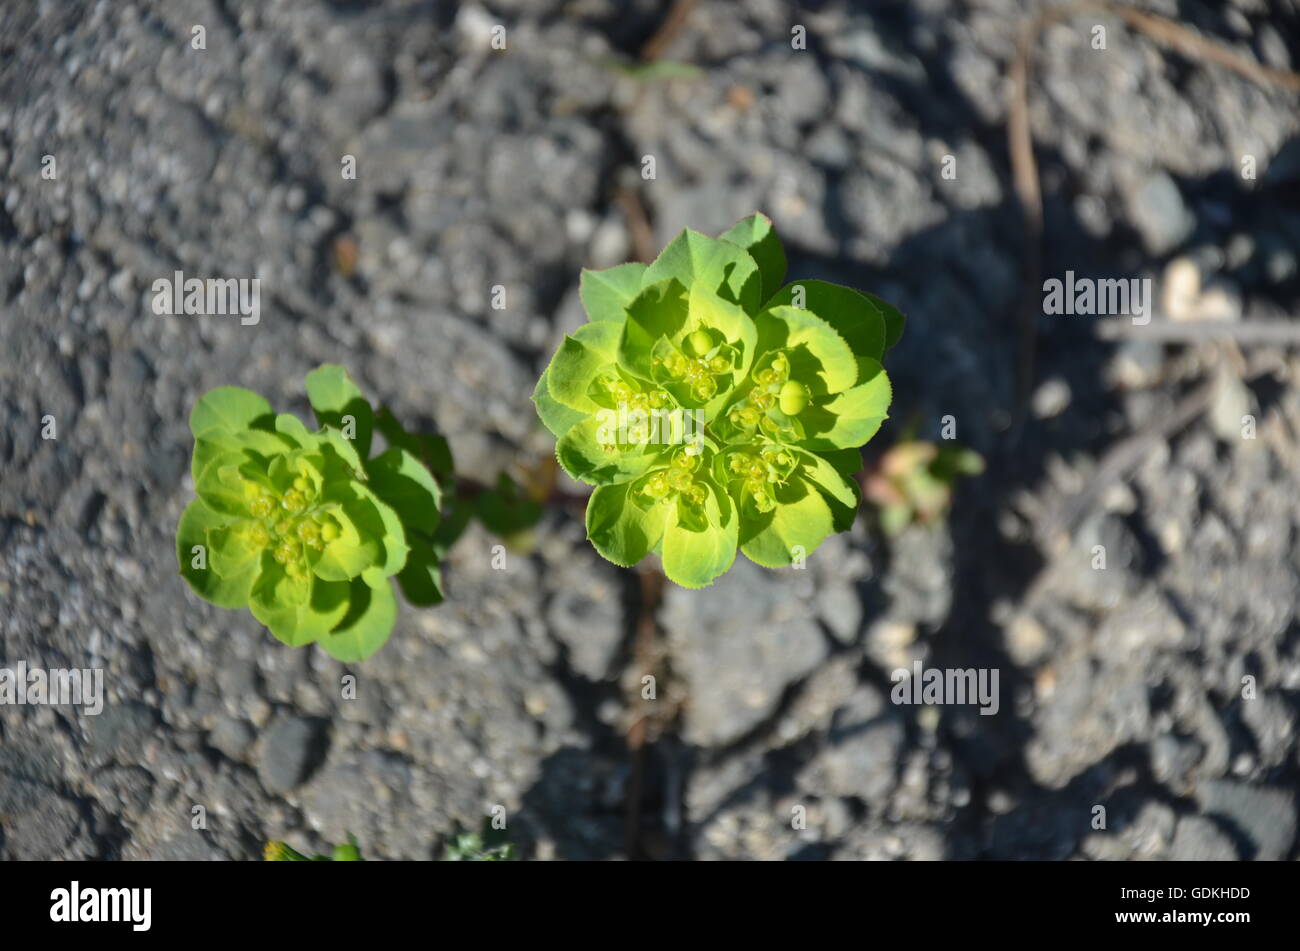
301	526
490	845
913	482
715	409
283	852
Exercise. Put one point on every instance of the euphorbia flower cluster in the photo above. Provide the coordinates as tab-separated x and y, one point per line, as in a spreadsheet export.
301	527
714	408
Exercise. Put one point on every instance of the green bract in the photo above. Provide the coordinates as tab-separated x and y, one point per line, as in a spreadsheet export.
714	408
302	527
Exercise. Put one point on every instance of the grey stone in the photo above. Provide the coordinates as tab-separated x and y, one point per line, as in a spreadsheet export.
231	737
1160	214
1197	839
1265	817
120	730
292	747
859	762
741	643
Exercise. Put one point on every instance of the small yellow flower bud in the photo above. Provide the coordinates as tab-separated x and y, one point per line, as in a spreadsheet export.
680	479
700	342
706	389
684	460
794	398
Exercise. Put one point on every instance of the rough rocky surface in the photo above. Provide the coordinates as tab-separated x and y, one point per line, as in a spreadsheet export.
1162	689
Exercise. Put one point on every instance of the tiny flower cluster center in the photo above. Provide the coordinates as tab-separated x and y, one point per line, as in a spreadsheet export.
287	524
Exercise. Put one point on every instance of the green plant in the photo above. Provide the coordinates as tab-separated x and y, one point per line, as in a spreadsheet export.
913	481
282	852
490	845
713	408
304	527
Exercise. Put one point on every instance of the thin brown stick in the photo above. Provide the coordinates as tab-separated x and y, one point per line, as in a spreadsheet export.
645	659
1194	46
638	224
1024	167
669	30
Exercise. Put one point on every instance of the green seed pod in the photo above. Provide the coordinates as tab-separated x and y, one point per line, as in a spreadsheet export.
700	342
793	399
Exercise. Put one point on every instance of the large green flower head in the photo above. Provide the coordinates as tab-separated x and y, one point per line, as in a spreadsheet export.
299	526
714	408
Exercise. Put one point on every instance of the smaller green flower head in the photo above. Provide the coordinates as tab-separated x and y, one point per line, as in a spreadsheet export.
295	525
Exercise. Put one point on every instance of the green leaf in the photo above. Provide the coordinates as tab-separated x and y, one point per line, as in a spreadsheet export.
756	235
388	529
605	294
196	523
710	310
220	485
660	310
696	555
582	356
351	553
421	579
431	449
233	551
840	491
851	418
214	442
292	427
854	316
555	416
399	479
590	452
894	320
656	70
231	408
720	266
620	530
296	617
456	516
333	396
505	510
799	523
816	352
847	462
369	621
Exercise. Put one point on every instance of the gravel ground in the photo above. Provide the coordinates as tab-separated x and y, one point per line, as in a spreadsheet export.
1121	689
